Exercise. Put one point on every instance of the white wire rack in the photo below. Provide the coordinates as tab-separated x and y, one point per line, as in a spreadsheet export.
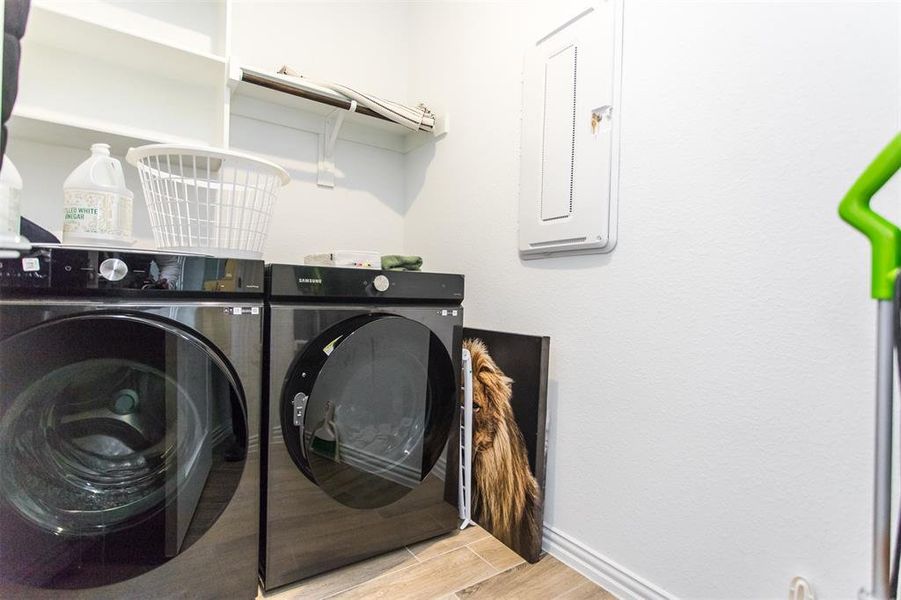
206	199
464	479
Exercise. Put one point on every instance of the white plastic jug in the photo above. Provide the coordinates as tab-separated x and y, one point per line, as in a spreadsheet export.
10	199
97	205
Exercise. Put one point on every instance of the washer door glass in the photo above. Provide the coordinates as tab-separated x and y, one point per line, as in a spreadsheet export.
122	438
367	408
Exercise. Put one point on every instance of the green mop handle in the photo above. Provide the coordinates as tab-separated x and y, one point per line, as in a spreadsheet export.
885	237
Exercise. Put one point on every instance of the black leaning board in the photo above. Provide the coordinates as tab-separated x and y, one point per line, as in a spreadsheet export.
524	358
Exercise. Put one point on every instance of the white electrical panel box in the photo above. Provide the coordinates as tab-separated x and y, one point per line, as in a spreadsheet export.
569	171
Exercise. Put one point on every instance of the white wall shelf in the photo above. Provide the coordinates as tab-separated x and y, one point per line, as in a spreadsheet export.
303	105
46	127
60	25
79	75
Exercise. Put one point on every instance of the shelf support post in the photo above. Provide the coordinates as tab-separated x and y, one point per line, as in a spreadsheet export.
331	126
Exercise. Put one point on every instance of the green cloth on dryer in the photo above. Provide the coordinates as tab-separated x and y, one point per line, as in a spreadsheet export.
397	262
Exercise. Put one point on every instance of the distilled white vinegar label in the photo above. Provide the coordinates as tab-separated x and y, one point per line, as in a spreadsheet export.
97	213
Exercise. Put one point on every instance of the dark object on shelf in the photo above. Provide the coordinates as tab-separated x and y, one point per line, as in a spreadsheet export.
34	232
15	16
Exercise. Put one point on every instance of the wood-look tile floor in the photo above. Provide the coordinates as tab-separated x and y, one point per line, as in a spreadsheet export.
467	564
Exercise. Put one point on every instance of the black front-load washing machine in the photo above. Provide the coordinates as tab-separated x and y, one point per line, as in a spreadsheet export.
363	390
129	406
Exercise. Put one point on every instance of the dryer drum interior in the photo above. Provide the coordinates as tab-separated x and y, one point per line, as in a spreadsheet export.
122	435
367	408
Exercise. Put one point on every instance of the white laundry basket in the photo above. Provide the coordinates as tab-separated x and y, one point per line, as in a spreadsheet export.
207	199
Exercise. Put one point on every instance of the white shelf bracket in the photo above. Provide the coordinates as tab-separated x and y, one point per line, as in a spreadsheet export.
331	126
234	76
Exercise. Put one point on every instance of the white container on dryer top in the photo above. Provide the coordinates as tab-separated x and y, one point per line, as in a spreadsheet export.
97	204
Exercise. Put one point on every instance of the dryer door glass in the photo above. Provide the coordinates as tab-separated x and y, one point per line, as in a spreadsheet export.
122	439
367	408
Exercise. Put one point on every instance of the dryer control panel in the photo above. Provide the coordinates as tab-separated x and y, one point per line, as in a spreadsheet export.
296	282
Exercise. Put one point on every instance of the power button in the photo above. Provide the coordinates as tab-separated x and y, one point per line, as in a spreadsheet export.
113	269
381	283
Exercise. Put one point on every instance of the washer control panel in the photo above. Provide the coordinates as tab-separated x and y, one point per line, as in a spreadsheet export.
64	270
27	272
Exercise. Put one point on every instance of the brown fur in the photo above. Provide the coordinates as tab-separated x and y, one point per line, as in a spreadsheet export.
506	496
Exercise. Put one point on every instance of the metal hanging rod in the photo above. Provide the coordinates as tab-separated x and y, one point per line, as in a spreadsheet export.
307	93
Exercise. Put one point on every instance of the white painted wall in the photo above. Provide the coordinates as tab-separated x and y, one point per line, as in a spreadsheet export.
361	43
364	211
711	380
364	44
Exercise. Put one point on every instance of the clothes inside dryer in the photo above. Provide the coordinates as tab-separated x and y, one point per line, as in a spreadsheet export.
375	412
371	400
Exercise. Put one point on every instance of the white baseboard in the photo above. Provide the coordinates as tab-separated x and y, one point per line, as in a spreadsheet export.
617	580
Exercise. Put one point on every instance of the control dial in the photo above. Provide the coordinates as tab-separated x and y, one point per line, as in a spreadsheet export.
381	283
113	269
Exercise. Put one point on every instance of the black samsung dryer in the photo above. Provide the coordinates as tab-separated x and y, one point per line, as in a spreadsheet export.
362	403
